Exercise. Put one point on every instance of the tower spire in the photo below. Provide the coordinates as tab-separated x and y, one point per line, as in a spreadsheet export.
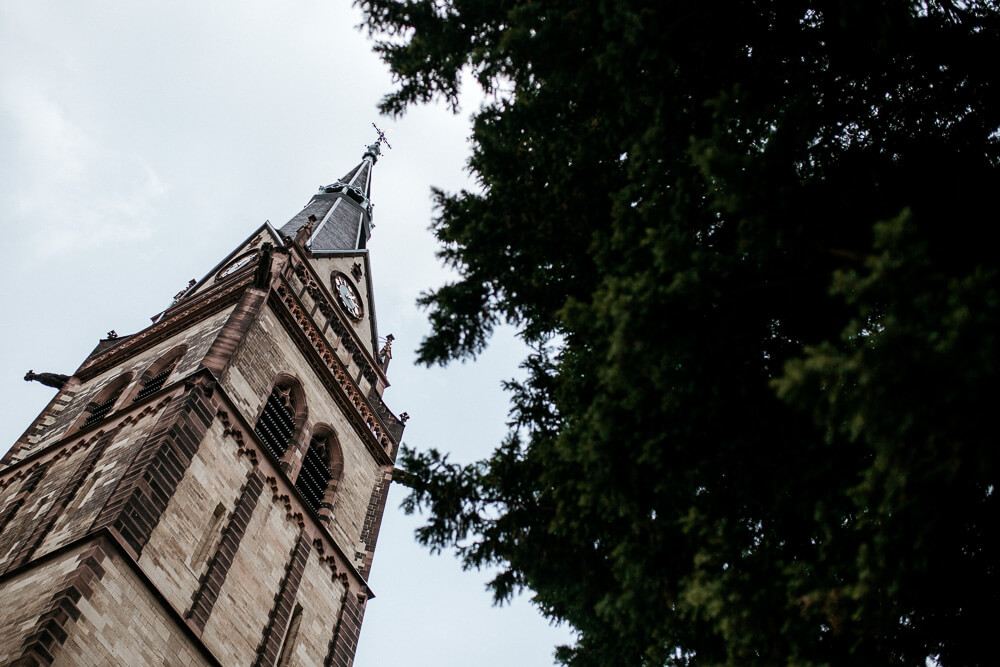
343	209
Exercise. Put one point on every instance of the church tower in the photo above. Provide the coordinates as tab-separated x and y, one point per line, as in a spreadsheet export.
209	490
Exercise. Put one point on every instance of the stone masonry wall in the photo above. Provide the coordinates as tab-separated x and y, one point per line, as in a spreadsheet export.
276	564
268	350
123	623
25	597
180	547
92	496
198	338
247	595
319	593
20	528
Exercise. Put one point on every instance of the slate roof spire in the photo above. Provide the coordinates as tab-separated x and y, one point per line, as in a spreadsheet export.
343	209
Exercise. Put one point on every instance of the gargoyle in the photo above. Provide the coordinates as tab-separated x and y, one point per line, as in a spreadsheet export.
55	380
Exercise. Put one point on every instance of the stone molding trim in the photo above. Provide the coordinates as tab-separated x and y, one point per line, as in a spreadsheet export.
237	434
136	505
329	560
365	419
41	643
286	501
67	598
37	464
344	644
206	304
62	446
284	600
207	593
316	287
369	367
346	331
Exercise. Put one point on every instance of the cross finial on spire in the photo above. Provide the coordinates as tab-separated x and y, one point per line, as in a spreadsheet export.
375	149
381	136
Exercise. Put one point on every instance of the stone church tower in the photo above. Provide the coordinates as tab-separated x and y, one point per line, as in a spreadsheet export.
208	491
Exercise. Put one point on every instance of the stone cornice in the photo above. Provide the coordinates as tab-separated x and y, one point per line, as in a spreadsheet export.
336	320
306	334
318	291
201	306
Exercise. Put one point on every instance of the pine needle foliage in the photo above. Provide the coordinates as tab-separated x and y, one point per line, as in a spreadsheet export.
748	244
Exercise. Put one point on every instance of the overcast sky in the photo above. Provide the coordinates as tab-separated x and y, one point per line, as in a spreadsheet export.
140	142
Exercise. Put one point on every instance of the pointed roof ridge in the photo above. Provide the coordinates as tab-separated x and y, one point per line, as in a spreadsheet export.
340	226
360	177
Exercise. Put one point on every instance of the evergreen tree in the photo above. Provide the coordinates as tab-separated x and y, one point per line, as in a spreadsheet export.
748	243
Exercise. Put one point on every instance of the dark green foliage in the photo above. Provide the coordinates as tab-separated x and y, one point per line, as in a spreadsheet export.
749	243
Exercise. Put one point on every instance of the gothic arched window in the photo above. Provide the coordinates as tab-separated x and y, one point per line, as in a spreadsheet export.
156	375
105	400
282	417
322	468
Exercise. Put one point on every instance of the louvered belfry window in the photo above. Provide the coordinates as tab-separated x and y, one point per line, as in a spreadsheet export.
315	475
100	410
155	382
276	425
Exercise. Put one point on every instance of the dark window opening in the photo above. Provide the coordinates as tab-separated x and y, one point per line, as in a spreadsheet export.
315	476
154	383
276	425
100	410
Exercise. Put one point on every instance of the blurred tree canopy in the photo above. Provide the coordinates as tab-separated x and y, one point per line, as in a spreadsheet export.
748	243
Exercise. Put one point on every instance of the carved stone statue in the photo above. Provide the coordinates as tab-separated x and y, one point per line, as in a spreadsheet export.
184	291
262	274
55	380
305	231
385	354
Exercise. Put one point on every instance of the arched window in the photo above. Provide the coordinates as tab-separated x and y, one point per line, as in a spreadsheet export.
156	375
105	400
322	468
282	417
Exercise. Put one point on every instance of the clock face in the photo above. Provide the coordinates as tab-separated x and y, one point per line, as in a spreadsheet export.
348	295
236	266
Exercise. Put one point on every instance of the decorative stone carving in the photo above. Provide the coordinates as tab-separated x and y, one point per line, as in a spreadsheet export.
262	274
336	368
211	300
191	283
54	380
